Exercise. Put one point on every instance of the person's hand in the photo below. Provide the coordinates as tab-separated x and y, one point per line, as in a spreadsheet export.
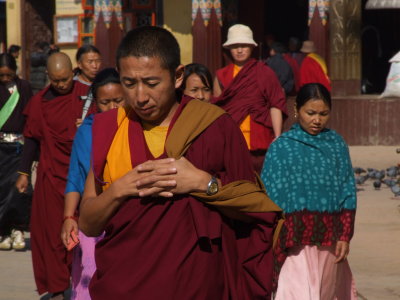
187	178
22	183
78	122
152	178
68	226
341	251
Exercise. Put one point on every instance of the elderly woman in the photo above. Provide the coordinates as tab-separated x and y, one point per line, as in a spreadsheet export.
308	173
14	206
107	93
251	93
88	58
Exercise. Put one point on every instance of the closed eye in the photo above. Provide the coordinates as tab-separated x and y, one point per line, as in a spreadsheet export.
129	83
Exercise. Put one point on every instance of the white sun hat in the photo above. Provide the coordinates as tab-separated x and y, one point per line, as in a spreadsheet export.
239	34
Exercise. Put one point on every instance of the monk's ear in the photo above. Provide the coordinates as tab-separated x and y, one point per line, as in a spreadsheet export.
179	76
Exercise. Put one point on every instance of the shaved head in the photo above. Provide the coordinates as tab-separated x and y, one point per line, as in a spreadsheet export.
59	69
58	61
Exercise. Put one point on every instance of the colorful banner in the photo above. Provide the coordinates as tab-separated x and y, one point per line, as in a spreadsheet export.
107	8
206	7
323	8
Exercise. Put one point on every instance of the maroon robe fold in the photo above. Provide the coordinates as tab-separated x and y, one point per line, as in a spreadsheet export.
52	124
253	91
181	248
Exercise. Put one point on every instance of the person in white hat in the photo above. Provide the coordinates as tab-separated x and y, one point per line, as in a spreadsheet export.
250	91
313	69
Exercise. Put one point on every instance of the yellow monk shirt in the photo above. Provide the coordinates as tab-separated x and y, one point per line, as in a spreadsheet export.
245	126
118	161
155	138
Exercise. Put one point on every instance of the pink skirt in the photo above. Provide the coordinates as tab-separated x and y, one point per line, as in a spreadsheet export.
310	273
83	266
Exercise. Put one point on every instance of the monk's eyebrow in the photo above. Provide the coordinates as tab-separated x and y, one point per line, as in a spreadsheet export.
128	78
151	78
144	79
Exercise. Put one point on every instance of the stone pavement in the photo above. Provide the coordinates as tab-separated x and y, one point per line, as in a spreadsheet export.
375	248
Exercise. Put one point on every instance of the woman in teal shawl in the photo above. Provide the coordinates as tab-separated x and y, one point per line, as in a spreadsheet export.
308	173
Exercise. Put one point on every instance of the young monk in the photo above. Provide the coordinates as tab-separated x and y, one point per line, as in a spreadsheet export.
171	184
50	128
251	93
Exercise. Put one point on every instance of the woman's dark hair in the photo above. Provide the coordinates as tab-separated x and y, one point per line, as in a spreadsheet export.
104	77
7	60
313	91
86	49
201	71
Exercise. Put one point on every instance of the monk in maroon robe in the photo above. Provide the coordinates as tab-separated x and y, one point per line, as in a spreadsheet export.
192	226
251	93
50	128
313	69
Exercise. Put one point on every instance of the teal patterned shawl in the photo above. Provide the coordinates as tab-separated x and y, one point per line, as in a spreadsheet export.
307	172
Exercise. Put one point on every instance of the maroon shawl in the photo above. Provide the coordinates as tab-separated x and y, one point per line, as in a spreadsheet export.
181	248
52	124
253	91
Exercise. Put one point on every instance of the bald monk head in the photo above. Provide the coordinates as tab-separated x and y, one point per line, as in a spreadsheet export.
59	70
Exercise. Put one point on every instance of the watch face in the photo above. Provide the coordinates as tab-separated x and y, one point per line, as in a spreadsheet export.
213	188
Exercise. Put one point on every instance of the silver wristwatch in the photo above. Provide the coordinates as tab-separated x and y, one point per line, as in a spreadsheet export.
212	187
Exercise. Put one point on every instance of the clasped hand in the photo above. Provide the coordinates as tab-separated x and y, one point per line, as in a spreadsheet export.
164	177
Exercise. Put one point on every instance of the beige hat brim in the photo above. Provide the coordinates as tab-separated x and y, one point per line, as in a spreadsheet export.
235	41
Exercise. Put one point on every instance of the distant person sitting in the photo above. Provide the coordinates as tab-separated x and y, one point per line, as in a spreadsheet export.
281	67
313	69
197	82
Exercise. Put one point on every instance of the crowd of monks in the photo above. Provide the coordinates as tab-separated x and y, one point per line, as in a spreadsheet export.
171	183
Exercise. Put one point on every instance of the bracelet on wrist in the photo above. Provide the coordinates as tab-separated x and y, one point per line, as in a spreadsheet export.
22	173
70	217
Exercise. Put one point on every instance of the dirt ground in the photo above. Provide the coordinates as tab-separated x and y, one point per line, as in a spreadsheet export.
375	248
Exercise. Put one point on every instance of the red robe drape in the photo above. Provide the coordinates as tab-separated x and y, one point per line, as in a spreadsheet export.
253	91
312	72
181	248
52	124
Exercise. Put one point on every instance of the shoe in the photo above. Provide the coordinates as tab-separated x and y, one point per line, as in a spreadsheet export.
5	243
18	240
